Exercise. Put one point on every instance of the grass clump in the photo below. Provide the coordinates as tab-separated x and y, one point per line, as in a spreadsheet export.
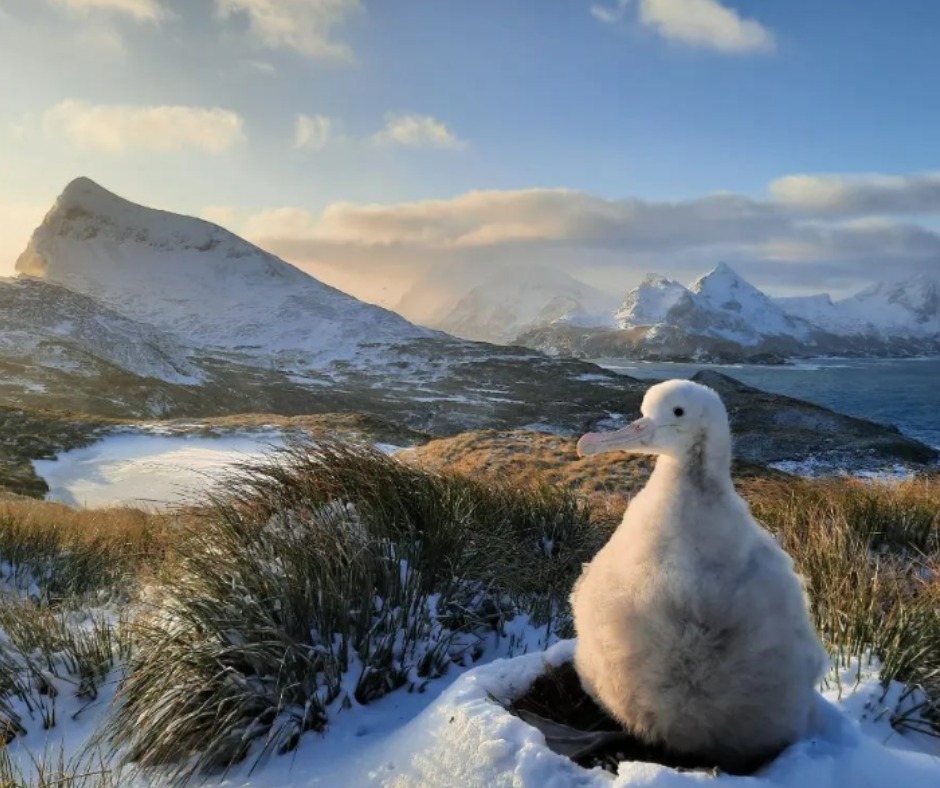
47	655
870	554
51	552
58	566
55	769
333	575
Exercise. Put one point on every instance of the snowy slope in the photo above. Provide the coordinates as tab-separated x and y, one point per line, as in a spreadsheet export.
907	309
741	307
457	734
652	302
720	304
49	326
504	306
194	279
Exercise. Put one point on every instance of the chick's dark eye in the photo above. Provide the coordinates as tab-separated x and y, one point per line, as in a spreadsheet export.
678	411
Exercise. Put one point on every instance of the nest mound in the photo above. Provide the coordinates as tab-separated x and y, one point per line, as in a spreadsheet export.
575	726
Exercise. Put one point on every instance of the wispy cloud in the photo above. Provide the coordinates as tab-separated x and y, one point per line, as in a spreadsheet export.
119	128
303	26
140	10
312	132
417	131
699	23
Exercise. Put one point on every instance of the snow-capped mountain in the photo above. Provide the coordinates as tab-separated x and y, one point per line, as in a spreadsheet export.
200	282
908	309
122	310
652	302
720	304
721	316
495	302
505	306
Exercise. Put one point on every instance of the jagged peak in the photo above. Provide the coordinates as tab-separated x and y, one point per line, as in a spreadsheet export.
721	272
722	277
652	279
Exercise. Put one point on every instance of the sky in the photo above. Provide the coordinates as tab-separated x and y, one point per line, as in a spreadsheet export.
375	143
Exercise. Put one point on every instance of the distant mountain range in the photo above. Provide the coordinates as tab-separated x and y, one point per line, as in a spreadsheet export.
722	317
125	311
497	303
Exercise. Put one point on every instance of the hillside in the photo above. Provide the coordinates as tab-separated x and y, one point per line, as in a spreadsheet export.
126	311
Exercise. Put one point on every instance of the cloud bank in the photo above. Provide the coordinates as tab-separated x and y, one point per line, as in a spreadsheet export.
791	237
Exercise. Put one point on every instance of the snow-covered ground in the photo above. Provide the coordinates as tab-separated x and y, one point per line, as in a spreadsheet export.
467	739
457	734
149	470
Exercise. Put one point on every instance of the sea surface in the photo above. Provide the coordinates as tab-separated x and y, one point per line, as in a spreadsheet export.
902	392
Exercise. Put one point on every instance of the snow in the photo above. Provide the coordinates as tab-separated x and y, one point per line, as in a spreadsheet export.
458	734
723	305
908	308
651	302
513	301
194	280
814	467
724	291
720	304
149	470
52	327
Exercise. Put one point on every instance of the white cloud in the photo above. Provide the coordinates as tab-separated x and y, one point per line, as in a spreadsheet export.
140	10
860	194
303	26
312	132
417	131
700	23
222	215
118	128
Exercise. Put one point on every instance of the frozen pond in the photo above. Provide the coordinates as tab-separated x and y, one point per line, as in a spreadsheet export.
147	470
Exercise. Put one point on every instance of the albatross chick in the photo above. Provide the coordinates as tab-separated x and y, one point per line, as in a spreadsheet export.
693	628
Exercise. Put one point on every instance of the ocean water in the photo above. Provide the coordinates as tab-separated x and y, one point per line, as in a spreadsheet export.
902	392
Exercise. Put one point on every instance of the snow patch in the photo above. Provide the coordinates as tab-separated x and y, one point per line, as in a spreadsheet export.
149	470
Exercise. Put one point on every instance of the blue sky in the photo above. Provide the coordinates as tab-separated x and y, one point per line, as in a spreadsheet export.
284	119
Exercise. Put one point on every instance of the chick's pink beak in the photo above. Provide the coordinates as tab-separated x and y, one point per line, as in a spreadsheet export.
633	437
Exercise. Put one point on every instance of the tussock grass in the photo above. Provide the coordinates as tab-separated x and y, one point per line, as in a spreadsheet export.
56	769
52	552
870	554
334	574
46	655
57	566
